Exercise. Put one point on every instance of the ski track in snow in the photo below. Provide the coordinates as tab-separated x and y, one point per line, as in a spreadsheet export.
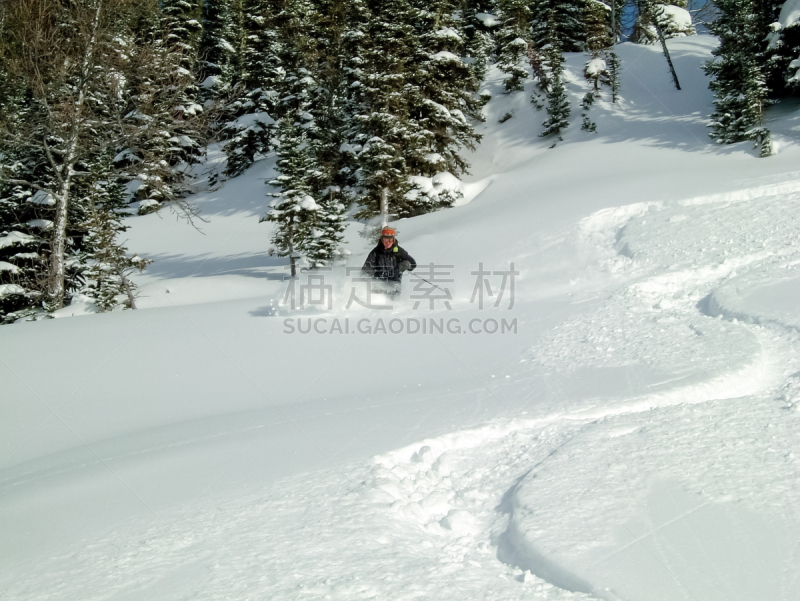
430	508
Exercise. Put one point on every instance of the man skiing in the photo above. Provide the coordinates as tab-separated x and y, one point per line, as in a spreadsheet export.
387	262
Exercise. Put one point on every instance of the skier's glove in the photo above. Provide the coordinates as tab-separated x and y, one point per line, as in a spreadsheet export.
404	266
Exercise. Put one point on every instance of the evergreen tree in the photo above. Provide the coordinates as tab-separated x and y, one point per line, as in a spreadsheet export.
330	106
567	16
325	239
180	35
23	238
446	88
478	39
181	23
294	209
109	266
384	131
513	40
781	50
558	106
256	89
738	81
220	45
597	19
78	67
162	125
614	66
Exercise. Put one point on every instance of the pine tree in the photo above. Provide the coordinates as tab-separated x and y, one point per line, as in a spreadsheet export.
23	238
256	89
222	33
513	40
108	265
598	39
738	81
558	106
781	50
180	35
294	209
446	87
385	133
162	126
330	107
614	66
568	18
325	237
181	23
597	19
478	39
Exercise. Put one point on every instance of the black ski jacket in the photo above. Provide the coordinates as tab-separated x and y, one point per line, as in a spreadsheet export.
382	263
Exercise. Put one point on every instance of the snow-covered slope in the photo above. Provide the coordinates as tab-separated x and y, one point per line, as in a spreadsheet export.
636	438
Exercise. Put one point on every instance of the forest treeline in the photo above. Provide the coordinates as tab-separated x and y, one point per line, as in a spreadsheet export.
108	102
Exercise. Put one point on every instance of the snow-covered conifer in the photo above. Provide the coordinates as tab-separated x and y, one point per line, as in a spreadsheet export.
108	267
325	238
513	39
386	89
447	98
256	90
181	21
23	238
568	19
558	105
220	44
330	107
673	18
738	81
614	65
597	19
477	25
293	209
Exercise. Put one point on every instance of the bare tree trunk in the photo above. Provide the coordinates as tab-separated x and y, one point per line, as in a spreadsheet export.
613	24
292	262
55	281
384	207
128	288
664	47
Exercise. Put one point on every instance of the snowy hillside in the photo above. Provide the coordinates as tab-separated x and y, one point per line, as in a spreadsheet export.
634	436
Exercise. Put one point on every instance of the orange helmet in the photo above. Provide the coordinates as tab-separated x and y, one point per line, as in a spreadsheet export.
388	231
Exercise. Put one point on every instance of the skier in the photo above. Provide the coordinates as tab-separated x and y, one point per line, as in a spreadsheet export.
387	262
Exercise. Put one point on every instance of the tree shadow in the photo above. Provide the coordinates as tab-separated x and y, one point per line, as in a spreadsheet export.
259	265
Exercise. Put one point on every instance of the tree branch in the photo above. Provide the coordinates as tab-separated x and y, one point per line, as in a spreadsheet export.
52	160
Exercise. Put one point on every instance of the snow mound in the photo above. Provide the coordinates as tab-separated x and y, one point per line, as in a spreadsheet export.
446	185
488	20
43	224
790	13
42	198
246	122
10	289
680	17
15	238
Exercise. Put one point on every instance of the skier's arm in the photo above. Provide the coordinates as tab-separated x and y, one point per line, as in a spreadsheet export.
369	265
411	260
